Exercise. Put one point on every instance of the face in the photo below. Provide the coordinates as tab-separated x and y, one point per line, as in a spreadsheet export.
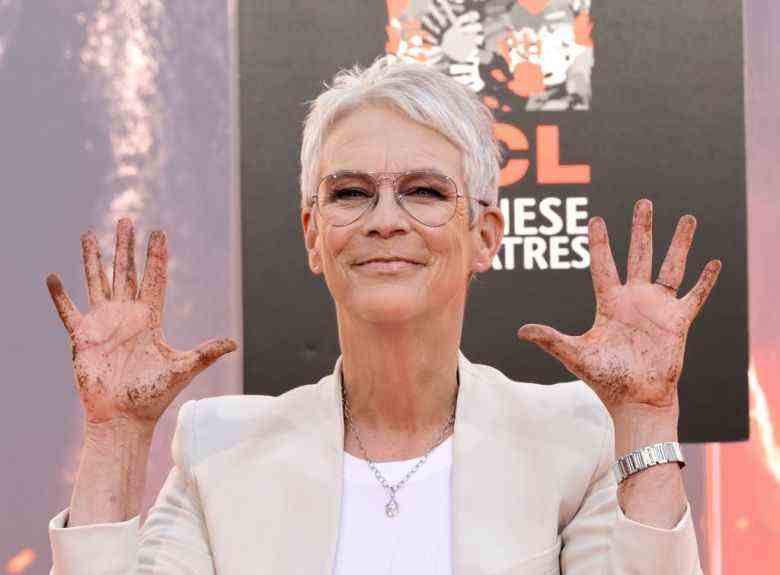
437	262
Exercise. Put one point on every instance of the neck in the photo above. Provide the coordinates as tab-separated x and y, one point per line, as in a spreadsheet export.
401	382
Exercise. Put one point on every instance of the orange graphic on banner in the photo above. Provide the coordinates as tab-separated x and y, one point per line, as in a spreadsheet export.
491	102
534	6
583	27
528	80
527	77
548	159
394	35
498	75
396	7
514	139
410	28
546	47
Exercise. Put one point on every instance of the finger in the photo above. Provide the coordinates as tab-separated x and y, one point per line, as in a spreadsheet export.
132	276
640	251
557	344
155	273
194	361
602	263
124	285
471	28
103	278
673	268
97	284
694	299
68	313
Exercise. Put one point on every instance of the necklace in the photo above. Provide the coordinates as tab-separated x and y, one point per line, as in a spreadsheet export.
391	507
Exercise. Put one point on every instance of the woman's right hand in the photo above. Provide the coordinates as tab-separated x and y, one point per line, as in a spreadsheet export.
125	371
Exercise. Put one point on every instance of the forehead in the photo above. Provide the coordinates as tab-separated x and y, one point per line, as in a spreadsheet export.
379	138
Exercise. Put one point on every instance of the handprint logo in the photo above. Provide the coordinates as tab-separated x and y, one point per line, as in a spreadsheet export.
442	33
540	51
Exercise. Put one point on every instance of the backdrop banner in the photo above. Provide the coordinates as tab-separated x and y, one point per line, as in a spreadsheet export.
597	105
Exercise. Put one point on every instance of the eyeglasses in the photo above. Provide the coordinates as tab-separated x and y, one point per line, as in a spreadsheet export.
429	197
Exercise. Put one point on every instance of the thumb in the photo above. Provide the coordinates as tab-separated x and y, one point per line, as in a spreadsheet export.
557	344
198	359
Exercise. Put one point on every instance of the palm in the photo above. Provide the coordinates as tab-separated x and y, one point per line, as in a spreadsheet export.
637	338
122	364
634	351
118	363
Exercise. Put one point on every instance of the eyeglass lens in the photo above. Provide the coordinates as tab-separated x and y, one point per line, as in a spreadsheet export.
428	197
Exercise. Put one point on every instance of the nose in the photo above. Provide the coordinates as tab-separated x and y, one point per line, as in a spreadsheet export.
386	218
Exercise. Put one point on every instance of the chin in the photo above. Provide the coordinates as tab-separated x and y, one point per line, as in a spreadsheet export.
390	304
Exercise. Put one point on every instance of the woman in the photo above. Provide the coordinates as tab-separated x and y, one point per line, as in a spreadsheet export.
408	458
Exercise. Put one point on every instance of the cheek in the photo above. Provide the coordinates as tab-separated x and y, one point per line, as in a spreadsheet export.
452	252
332	242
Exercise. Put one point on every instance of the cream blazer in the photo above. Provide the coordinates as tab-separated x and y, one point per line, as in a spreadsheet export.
256	488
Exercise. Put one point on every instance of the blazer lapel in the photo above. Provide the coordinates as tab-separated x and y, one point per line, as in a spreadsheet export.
501	489
273	501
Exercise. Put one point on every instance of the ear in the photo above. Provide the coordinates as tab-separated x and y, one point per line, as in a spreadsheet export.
310	237
489	231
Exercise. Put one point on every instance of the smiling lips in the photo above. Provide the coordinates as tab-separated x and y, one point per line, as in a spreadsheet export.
388	264
380	260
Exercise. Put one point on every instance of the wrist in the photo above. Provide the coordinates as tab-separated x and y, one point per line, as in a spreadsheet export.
655	496
112	472
639	425
117	432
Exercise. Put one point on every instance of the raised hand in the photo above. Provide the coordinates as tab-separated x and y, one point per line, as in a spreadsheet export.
633	354
124	368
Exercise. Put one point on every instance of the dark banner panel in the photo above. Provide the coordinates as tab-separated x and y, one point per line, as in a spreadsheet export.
596	104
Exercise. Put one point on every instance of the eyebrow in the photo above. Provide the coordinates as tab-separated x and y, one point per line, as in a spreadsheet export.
430	169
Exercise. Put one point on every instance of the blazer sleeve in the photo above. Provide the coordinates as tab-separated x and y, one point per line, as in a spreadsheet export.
602	540
173	539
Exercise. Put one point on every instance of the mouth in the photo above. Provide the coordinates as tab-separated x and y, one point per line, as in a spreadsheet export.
386	260
387	264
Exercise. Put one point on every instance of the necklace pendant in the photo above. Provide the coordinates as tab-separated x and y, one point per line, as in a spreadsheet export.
391	509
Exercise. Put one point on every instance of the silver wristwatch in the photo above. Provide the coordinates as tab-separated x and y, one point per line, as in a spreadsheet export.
636	461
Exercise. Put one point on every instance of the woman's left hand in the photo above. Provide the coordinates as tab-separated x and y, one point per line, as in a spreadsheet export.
633	354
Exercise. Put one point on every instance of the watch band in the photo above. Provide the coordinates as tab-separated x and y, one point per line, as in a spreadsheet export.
641	459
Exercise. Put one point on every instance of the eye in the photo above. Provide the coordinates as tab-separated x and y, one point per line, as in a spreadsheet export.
424	192
349	193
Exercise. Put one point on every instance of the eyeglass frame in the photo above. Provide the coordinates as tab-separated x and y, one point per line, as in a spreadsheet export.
395	177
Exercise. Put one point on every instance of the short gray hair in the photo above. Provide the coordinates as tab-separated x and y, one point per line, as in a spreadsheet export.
423	94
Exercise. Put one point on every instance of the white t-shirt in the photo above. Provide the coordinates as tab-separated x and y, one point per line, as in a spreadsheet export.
418	539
